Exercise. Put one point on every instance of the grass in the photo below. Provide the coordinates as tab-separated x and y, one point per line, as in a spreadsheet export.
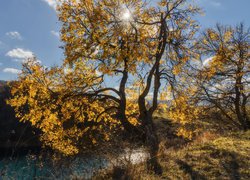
226	157
211	155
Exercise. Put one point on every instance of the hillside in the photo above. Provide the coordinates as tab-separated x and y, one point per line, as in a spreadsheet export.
209	156
13	135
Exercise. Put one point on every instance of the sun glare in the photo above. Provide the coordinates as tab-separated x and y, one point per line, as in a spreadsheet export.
126	15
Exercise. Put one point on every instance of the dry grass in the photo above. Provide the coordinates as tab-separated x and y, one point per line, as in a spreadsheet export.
226	157
214	153
208	157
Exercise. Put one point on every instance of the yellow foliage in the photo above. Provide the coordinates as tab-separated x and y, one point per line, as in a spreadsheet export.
185	112
53	100
100	36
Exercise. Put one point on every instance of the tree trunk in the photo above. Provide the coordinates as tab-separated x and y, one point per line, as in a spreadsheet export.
237	102
244	112
121	115
146	115
152	143
240	99
151	140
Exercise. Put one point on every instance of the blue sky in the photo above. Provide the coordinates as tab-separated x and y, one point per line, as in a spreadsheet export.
31	27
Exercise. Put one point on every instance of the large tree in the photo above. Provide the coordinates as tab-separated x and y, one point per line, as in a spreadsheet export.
224	77
141	43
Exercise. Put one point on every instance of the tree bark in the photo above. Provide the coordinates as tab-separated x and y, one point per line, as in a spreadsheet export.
239	106
146	115
152	142
131	129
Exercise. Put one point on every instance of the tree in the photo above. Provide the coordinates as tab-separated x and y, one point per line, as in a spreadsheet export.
57	101
130	39
224	78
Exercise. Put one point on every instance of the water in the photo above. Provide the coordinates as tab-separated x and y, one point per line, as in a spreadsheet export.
31	167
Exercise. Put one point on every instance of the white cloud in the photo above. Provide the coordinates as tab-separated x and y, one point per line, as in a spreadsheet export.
11	70
207	61
55	3
150	96
98	73
19	54
14	35
55	33
216	4
52	3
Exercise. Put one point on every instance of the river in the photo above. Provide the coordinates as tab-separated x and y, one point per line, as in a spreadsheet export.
31	167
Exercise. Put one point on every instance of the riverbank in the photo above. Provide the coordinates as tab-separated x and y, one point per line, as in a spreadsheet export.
211	156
